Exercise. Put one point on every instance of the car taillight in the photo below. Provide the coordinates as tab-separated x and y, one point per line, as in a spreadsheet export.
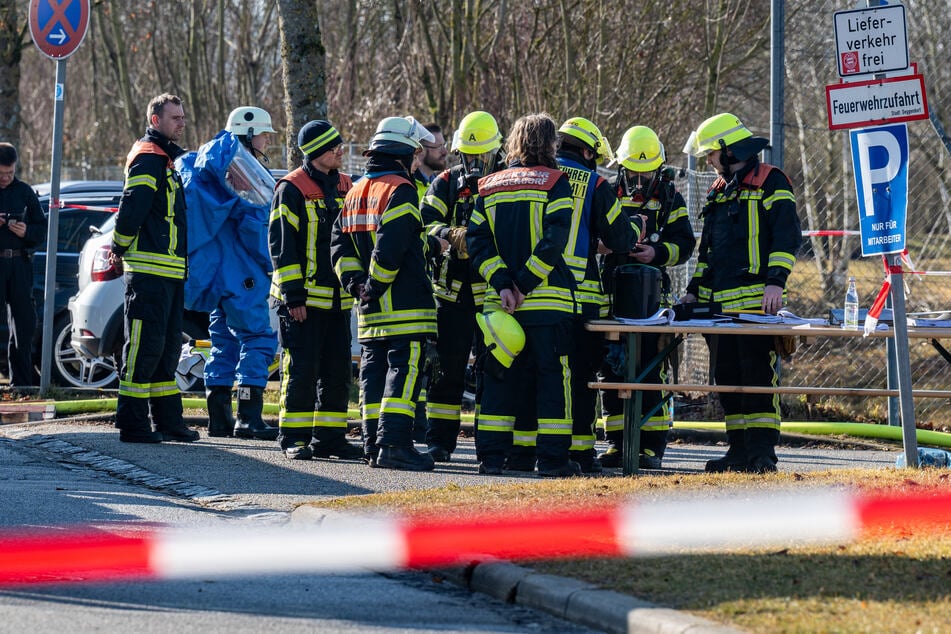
102	269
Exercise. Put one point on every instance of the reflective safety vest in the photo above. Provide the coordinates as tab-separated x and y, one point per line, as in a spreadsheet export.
379	238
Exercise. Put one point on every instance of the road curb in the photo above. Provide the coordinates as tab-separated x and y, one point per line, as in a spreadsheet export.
569	599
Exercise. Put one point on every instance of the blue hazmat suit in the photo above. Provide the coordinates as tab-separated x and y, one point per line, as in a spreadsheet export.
228	197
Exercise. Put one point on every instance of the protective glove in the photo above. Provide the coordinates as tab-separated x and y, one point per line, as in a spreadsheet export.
457	239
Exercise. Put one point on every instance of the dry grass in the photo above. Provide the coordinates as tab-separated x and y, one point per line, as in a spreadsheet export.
899	582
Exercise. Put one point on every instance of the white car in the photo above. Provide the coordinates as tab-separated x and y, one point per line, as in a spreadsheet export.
97	310
97	319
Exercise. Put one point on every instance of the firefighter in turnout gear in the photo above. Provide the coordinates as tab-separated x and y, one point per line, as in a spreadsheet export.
748	246
517	239
314	310
597	217
459	289
645	187
228	193
150	241
379	253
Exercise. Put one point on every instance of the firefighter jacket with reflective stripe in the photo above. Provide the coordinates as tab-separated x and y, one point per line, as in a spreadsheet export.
306	204
597	216
448	204
150	232
667	230
518	235
379	246
750	237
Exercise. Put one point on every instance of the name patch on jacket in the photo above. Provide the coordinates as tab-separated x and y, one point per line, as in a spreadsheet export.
516	178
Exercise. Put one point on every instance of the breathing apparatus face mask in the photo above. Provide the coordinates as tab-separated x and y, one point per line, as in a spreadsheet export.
639	184
249	180
475	166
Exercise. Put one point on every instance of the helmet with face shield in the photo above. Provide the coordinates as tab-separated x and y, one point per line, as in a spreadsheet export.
640	157
477	142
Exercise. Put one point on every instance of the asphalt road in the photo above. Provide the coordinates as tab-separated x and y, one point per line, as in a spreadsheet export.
57	473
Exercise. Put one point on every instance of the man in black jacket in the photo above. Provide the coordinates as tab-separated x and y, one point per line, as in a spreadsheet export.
22	227
150	238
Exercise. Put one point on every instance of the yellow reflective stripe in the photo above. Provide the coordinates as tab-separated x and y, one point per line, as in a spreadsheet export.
141	180
677	214
382	274
134	390
443	411
283	211
524	437
288	274
121	239
310	244
554	426
674	253
371	411
582	443
401	406
296	420
412	378
782	259
491	266
779	194
170	210
135	340
538	267
323	139
399	211
488	422
397	315
752	243
735	422
165	388
330	419
434	201
614	422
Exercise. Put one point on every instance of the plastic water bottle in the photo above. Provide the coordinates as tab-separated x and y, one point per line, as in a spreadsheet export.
850	319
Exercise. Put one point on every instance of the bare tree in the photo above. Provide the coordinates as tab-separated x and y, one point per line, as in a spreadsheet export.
11	43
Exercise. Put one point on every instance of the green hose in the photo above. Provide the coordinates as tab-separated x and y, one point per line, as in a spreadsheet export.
858	430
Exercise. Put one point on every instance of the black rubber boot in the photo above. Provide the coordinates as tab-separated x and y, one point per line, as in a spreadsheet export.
332	443
220	417
249	423
587	461
736	458
761	449
404	459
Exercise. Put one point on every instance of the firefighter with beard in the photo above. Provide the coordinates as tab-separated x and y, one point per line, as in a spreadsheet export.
315	310
379	252
748	246
645	187
459	289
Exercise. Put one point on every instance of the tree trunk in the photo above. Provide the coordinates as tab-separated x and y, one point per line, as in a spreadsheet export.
304	70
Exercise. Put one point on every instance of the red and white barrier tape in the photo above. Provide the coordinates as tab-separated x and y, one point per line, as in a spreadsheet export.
359	544
88	207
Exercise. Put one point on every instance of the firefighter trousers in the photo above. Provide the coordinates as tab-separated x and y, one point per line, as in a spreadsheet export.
316	376
153	344
390	373
456	324
545	357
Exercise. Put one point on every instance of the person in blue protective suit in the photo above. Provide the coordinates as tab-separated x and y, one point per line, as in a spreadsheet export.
228	193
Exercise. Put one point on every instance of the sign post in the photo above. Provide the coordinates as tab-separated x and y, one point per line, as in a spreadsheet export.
57	28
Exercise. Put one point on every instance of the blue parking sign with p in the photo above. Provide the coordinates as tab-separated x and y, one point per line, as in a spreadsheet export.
880	161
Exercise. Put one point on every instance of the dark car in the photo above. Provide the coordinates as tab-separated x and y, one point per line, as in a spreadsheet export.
84	204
